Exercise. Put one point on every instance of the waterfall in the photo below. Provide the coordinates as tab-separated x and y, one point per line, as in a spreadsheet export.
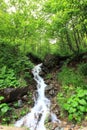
36	118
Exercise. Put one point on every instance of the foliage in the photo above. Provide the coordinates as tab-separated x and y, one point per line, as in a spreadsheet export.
8	78
67	23
76	105
74	102
4	108
72	97
49	76
14	69
69	76
32	25
83	69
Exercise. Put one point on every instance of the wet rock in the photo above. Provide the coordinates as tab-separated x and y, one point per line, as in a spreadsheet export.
49	87
52	92
20	103
49	91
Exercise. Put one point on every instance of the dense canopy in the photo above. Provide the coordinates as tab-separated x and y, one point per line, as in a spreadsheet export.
43	27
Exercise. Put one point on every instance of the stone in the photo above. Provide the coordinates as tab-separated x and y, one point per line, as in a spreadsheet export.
49	87
51	92
12	94
25	98
20	103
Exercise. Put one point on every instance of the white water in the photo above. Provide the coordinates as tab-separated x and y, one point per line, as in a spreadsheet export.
36	118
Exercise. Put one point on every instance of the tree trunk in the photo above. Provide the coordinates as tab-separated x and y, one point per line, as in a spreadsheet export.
76	41
69	42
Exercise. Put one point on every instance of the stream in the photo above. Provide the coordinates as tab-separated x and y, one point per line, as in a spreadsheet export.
35	120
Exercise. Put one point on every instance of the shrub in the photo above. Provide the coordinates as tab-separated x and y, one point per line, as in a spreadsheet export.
8	78
72	97
69	76
76	105
82	68
4	108
14	66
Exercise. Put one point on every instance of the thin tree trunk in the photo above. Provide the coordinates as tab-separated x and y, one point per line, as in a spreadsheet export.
76	41
69	42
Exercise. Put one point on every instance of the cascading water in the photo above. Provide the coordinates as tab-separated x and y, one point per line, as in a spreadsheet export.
36	118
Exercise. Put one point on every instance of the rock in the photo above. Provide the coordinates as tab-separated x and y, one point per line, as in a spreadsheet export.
52	93
25	98
49	87
12	94
59	128
20	103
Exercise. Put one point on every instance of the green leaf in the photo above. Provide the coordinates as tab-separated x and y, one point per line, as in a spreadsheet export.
82	102
4	109
72	110
2	105
81	93
82	108
66	106
75	104
70	117
1	98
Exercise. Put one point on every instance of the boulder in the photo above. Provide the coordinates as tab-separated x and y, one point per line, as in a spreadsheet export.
12	94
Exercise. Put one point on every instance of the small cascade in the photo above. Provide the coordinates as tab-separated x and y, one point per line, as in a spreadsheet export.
36	118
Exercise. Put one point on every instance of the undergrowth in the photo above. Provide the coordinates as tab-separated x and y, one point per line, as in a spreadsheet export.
72	97
14	67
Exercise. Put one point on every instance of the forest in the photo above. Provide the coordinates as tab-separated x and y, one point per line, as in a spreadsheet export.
54	33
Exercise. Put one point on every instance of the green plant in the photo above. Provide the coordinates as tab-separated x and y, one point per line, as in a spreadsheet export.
30	101
8	78
75	105
49	76
83	68
4	108
22	64
24	112
69	76
15	69
64	95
